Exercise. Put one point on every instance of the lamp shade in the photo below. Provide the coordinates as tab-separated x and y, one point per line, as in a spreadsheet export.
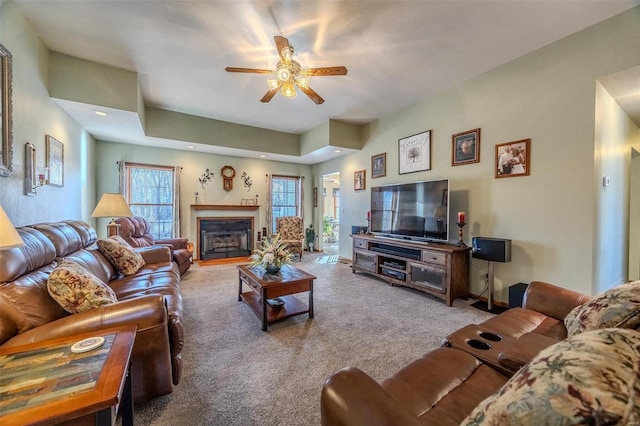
9	237
112	205
439	212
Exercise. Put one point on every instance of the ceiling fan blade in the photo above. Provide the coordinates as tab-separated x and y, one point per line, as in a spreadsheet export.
312	94
270	94
319	72
281	43
249	70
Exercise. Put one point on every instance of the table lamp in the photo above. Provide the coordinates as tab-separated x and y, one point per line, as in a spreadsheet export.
9	237
439	213
112	205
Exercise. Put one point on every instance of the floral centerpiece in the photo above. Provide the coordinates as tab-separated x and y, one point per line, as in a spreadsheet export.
272	254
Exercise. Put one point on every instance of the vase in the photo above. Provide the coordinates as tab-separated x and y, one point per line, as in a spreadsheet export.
272	269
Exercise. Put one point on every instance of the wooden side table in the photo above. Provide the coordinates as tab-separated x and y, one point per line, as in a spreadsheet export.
46	383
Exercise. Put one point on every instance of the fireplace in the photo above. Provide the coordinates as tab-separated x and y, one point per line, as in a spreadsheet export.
224	237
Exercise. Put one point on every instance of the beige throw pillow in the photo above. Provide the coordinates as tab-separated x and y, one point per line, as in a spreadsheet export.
76	289
120	253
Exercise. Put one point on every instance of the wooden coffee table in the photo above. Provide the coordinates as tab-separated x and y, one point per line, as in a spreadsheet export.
46	383
283	284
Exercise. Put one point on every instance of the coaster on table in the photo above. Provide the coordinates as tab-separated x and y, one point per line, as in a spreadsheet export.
87	344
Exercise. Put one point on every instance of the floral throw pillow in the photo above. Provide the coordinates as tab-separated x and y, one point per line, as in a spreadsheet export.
617	307
76	289
121	255
592	378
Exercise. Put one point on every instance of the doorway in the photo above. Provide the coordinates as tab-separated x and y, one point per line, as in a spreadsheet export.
634	217
331	213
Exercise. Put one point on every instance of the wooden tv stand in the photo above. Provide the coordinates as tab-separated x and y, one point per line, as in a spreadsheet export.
441	270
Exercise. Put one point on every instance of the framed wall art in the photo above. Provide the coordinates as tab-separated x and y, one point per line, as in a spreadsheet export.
513	159
359	180
465	147
6	133
414	153
55	161
379	165
315	196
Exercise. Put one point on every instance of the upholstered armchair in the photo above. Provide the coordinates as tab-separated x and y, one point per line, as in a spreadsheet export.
136	231
291	231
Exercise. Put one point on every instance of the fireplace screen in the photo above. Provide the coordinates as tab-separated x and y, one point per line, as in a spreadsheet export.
225	237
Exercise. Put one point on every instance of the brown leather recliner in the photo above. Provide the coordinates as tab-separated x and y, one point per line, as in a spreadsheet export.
136	231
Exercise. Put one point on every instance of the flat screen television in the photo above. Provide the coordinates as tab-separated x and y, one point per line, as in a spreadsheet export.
412	211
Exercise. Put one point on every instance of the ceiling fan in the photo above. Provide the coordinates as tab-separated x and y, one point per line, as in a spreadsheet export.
290	74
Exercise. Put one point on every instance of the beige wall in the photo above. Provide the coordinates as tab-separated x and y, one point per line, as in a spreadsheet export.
34	116
616	136
193	166
551	216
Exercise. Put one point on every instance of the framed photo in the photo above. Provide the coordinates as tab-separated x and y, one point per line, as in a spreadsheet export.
55	161
379	165
513	159
315	197
465	147
414	153
359	180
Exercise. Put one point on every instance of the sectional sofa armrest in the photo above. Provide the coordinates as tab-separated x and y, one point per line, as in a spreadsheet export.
177	243
522	350
155	254
147	312
551	300
351	397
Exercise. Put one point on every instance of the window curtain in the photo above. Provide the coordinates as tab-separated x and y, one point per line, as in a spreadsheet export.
176	229
122	176
269	217
301	201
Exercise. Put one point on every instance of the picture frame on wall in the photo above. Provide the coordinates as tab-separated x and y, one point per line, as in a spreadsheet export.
465	147
359	180
379	165
55	161
315	197
414	153
513	159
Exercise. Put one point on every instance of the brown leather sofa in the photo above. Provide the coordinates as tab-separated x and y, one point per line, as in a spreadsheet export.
445	385
150	299
136	231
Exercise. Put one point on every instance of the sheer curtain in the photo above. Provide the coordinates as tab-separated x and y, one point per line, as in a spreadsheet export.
269	215
176	230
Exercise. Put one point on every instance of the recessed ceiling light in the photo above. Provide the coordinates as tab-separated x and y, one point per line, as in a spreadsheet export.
101	113
263	156
191	147
338	150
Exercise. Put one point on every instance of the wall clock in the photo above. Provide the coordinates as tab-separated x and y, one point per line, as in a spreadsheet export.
228	173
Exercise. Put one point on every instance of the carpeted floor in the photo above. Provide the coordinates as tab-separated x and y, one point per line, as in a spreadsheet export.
235	374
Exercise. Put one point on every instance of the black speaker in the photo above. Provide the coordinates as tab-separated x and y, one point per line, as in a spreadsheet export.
516	294
491	249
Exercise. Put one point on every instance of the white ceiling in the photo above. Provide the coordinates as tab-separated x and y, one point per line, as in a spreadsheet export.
397	52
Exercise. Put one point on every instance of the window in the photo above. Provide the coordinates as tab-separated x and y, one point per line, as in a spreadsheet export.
336	204
285	198
149	193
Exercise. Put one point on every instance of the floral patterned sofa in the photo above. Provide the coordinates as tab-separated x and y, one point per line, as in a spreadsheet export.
291	231
585	370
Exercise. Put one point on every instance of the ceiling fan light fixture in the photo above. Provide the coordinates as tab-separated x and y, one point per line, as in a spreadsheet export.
287	52
283	72
289	90
303	82
273	83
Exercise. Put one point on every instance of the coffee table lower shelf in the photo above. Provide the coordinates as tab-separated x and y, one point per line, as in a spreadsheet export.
292	307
